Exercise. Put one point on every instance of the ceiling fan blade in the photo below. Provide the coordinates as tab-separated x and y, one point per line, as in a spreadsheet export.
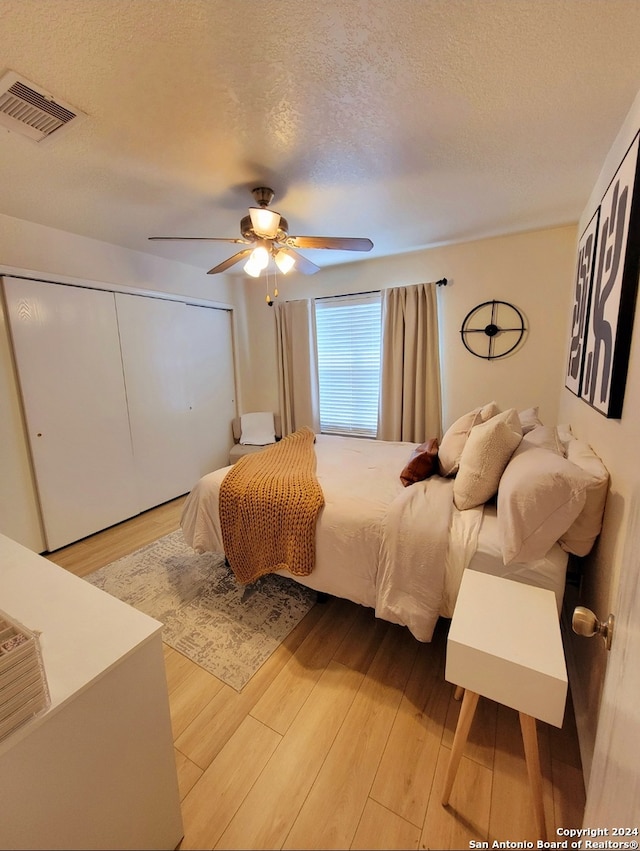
343	243
230	261
302	264
204	239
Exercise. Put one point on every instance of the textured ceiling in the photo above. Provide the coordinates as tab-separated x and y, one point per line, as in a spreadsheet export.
411	122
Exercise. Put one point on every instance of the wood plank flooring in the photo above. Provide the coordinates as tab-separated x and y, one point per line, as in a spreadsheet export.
342	738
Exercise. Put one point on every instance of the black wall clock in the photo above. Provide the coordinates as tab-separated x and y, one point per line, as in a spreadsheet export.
492	329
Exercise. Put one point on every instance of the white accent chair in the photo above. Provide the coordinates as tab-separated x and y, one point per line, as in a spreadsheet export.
239	449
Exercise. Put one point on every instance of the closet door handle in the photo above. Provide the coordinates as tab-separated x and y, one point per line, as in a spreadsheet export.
585	623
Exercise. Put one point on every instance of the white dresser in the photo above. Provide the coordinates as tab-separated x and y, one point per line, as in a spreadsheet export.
97	770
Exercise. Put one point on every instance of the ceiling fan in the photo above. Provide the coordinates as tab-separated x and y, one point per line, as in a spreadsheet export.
266	235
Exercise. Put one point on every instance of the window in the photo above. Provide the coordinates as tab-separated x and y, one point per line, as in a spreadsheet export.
348	333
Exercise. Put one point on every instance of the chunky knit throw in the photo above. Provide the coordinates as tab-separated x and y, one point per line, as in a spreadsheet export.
269	506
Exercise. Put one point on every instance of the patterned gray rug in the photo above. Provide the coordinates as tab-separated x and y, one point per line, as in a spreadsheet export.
227	628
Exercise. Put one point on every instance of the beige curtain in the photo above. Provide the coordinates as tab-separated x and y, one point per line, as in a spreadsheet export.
410	399
297	365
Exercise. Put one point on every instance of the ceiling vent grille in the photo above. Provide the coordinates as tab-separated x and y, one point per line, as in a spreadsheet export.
28	109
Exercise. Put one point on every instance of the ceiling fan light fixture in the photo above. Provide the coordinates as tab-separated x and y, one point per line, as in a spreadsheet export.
251	268
265	222
267	235
260	256
258	260
284	261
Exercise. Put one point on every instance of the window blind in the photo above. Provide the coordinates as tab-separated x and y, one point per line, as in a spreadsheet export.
348	340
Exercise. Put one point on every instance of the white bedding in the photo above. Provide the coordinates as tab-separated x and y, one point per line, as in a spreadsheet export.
400	551
548	572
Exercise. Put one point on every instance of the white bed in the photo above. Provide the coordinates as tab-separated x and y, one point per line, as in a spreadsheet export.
399	550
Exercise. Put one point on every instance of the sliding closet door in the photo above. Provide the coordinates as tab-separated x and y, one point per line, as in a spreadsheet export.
66	345
154	342
210	379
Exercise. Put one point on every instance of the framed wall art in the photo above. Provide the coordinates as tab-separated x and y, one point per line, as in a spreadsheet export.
610	313
581	300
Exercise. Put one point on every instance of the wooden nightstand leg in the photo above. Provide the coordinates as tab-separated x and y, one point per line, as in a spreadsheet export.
459	692
467	711
532	756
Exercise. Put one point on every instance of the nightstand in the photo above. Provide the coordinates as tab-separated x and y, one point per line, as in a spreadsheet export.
504	643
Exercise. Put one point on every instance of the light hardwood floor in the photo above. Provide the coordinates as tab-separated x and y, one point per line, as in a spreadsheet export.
342	738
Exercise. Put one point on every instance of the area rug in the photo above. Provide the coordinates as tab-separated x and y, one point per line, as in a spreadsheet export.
228	629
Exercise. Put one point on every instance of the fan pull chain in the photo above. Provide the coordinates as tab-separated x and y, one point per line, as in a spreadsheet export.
268	298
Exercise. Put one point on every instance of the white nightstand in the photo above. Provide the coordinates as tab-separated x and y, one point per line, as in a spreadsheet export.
504	643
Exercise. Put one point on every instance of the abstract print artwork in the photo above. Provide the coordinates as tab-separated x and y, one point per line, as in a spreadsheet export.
582	292
610	314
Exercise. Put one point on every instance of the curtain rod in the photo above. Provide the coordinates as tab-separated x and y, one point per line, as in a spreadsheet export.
346	295
441	283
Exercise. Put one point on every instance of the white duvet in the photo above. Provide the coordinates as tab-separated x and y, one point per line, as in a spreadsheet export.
400	551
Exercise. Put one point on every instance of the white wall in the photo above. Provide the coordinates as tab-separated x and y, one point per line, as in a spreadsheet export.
55	254
533	270
24	245
616	442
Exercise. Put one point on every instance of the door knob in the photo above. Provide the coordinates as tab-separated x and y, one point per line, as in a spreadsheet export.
584	622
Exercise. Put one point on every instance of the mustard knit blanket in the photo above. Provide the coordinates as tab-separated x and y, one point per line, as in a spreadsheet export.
269	506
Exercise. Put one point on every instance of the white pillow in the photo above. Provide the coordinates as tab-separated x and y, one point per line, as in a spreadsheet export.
540	495
546	437
529	419
565	434
257	429
581	535
484	457
456	435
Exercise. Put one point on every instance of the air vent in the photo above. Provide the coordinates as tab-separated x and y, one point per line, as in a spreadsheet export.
31	111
